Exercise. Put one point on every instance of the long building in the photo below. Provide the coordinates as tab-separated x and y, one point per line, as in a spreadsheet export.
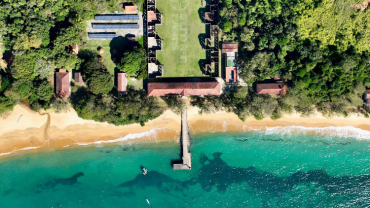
230	51
184	88
278	88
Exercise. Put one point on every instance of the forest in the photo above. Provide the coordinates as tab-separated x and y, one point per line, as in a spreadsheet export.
321	48
34	38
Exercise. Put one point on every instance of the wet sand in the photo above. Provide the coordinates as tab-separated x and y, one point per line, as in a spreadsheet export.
24	129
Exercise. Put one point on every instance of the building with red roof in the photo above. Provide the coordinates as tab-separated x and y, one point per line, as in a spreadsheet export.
121	82
231	75
78	78
130	9
230	51
62	84
368	94
184	88
278	88
229	47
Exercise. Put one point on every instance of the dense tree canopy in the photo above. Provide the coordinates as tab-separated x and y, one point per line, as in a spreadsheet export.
133	107
175	103
134	62
335	23
98	79
320	48
23	67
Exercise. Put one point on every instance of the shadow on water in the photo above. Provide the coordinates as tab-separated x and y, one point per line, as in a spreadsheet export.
217	173
60	181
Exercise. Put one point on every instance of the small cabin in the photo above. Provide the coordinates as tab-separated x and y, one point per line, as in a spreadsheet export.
63	83
121	83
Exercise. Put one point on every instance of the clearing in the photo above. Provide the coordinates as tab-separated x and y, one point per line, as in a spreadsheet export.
109	45
182	30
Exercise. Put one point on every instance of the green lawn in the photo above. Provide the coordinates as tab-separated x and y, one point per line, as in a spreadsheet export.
182	54
92	45
108	46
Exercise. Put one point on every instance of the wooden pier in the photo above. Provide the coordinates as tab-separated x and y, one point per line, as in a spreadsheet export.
185	143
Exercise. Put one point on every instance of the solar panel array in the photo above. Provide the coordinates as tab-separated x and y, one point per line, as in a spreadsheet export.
117	17
114	26
102	35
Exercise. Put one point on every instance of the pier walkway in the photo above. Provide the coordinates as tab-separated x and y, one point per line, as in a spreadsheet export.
185	141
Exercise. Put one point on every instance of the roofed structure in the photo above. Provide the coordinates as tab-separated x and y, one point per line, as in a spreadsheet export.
231	75
278	88
62	85
130	8
229	47
183	88
115	26
102	35
117	16
152	17
78	78
368	94
121	82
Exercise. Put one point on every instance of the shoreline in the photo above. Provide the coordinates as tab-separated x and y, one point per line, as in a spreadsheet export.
24	130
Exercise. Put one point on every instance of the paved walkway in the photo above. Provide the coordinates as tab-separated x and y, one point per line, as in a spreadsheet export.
185	139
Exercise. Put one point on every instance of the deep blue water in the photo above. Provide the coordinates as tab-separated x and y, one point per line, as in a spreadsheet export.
228	170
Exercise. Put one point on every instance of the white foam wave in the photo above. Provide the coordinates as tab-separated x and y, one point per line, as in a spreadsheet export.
26	148
333	131
150	133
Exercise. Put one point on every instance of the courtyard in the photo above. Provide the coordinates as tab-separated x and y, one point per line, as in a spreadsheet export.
181	31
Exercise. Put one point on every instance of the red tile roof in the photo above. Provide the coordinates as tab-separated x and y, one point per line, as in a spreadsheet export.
78	78
229	47
183	88
151	16
228	70
131	8
368	94
122	82
62	87
272	88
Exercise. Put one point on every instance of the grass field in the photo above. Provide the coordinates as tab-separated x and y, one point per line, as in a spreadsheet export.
182	54
92	45
108	46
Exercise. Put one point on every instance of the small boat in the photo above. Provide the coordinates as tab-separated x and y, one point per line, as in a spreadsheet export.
144	171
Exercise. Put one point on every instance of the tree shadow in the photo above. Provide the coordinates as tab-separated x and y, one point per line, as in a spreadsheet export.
78	94
87	54
202	63
121	44
201	14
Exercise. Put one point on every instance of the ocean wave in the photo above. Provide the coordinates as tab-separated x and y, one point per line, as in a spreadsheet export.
26	148
332	131
151	133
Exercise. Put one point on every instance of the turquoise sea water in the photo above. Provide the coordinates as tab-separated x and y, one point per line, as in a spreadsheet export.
251	169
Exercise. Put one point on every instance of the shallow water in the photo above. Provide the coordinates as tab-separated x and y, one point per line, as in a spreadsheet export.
254	169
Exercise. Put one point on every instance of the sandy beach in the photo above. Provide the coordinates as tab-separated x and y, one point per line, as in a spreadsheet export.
24	129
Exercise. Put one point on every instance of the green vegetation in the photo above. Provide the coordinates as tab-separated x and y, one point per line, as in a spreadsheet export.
335	23
320	48
135	62
133	107
37	37
93	45
182	28
175	103
96	76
